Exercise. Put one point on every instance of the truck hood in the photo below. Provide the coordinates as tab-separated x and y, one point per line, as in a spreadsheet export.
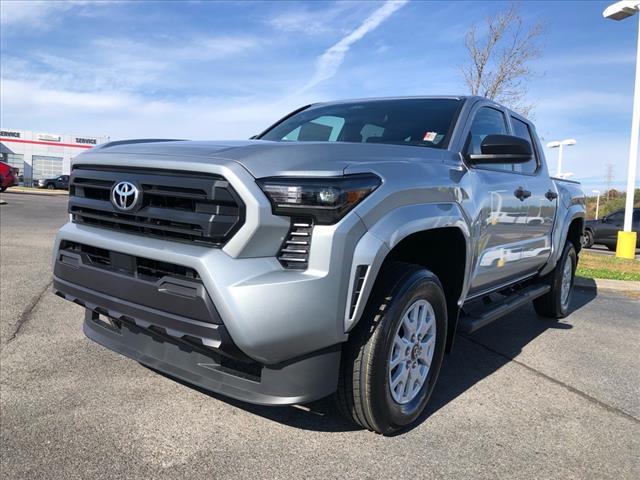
265	158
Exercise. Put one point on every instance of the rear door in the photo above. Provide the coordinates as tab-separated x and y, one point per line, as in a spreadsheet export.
542	204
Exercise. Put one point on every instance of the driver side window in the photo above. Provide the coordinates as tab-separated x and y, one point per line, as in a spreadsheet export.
616	218
488	121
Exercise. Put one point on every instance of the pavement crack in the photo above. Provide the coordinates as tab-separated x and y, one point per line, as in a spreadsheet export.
25	316
564	385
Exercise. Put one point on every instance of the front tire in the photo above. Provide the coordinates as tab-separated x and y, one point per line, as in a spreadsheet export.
391	362
51	186
587	239
555	303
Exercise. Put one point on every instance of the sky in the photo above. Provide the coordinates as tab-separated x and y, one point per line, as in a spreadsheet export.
227	70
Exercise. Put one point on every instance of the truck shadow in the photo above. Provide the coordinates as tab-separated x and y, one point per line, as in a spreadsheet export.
473	358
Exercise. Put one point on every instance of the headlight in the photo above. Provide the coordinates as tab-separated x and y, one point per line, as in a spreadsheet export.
327	200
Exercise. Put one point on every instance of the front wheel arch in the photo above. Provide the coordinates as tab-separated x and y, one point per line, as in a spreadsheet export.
446	257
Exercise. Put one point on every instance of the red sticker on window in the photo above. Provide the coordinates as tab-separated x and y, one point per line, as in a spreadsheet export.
430	136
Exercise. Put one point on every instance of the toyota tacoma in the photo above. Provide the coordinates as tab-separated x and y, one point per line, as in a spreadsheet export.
338	252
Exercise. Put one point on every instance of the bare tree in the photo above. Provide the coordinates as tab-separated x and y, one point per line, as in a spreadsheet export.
500	60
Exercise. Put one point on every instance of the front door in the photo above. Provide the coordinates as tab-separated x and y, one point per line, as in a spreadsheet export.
503	211
611	225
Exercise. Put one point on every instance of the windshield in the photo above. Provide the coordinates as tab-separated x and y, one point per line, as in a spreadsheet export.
411	121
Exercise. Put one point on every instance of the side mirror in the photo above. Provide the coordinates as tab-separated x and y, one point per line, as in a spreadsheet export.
502	149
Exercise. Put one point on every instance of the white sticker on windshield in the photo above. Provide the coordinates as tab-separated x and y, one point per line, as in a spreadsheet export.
430	136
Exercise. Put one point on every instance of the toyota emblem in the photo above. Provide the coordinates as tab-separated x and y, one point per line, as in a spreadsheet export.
124	196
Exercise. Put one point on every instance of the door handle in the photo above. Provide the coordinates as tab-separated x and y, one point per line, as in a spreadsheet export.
521	193
551	195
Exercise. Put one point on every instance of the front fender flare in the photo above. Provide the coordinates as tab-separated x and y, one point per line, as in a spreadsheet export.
387	233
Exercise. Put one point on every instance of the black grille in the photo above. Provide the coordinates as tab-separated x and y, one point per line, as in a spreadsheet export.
139	267
194	208
294	252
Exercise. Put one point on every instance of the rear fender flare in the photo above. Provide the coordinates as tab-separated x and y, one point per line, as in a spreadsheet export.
574	212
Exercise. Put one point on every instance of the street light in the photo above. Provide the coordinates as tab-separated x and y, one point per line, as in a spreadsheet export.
597	192
562	143
626	247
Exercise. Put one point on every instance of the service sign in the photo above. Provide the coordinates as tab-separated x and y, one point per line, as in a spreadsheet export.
7	133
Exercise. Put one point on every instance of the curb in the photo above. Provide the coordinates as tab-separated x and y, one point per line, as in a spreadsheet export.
629	286
47	193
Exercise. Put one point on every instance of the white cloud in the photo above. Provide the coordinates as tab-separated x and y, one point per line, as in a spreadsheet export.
37	13
586	59
583	101
34	105
329	62
169	49
317	21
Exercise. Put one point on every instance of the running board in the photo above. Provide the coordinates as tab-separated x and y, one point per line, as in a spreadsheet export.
469	323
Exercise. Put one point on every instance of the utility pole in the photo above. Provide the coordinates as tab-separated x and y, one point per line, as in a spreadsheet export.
626	245
609	177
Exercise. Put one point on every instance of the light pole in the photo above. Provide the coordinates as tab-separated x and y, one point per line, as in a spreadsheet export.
626	247
597	202
559	145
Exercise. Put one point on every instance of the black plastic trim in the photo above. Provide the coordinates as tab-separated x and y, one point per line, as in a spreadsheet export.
170	294
301	380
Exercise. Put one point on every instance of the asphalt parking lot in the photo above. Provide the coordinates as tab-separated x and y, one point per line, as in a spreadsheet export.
523	398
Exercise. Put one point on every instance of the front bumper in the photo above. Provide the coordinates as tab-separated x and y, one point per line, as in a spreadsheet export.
273	315
302	380
254	331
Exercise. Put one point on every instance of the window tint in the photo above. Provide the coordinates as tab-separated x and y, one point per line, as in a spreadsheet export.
324	129
488	121
413	121
521	129
617	217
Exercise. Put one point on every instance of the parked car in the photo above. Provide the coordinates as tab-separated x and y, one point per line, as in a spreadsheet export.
338	253
61	182
604	231
8	176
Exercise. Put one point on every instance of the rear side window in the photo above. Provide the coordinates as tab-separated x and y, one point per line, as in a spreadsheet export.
521	129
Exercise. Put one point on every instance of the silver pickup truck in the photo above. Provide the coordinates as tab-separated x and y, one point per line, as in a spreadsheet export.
338	252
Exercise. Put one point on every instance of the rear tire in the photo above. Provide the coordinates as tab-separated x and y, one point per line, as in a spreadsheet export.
392	359
555	303
611	248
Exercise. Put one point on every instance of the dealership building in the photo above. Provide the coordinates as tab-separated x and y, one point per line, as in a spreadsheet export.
41	155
